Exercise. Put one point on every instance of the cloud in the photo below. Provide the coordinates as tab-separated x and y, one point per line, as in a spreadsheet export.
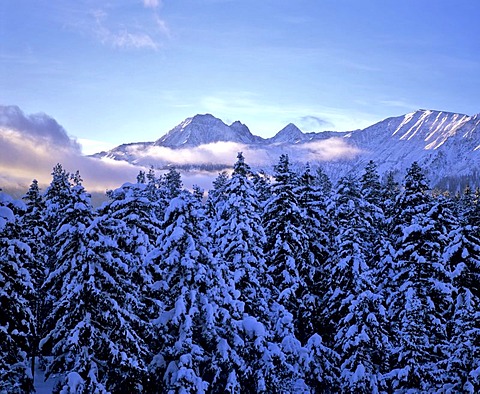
218	153
40	126
330	149
31	145
123	37
151	3
224	153
314	123
26	156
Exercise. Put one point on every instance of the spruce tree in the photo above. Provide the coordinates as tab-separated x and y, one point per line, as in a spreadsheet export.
463	256
185	324
418	291
93	342
34	233
313	204
16	289
354	308
238	240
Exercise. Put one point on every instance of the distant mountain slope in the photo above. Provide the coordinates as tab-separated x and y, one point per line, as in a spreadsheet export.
205	129
445	144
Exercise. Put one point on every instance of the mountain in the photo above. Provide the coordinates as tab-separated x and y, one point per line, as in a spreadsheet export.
446	145
205	129
290	134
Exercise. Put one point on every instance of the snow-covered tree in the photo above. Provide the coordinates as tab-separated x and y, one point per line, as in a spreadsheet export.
286	238
216	196
239	237
370	183
34	233
284	252
185	325
353	307
131	204
16	318
418	291
238	240
463	256
262	185
92	339
312	202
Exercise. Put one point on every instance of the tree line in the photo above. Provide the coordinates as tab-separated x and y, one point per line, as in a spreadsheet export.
269	284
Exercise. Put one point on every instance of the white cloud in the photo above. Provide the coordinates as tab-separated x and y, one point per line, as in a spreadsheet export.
89	147
123	37
151	3
31	152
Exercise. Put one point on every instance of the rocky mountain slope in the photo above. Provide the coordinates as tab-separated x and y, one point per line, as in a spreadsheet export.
445	144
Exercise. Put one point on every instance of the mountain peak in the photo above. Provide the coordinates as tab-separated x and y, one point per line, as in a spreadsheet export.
205	129
289	134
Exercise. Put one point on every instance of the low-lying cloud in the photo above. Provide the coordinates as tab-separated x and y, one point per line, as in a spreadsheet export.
224	153
30	145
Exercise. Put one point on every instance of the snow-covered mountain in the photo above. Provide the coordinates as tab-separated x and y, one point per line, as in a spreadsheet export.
445	144
205	129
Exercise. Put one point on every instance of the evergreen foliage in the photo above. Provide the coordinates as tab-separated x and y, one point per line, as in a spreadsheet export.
284	284
16	319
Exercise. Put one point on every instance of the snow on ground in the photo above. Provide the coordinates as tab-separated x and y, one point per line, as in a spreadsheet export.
42	386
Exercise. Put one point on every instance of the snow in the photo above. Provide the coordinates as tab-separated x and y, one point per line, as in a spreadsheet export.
253	327
440	141
6	216
43	386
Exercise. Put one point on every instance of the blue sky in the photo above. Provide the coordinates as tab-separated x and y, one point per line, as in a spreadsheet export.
130	70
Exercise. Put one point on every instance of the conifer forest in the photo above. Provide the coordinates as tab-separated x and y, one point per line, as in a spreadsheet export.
286	283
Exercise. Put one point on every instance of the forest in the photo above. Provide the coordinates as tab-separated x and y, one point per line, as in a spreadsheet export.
266	284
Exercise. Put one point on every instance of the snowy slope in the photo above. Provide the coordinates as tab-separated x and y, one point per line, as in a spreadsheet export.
205	129
446	145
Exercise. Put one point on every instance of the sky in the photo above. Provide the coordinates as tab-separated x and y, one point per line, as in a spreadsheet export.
121	71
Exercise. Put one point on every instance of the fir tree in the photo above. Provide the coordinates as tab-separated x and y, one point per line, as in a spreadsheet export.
238	238
313	203
186	322
16	319
463	256
34	233
418	291
355	309
92	340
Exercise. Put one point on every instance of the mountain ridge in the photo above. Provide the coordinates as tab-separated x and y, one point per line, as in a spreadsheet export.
447	144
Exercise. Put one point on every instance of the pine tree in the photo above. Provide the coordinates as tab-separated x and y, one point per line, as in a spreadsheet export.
34	233
131	204
354	309
238	238
286	238
262	185
57	197
216	195
371	187
92	340
284	251
419	290
463	256
313	204
391	189
16	319
186	322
